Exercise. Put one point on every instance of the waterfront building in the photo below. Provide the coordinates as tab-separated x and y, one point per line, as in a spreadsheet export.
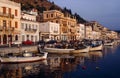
9	22
88	32
29	26
49	30
112	35
82	31
96	35
67	24
78	35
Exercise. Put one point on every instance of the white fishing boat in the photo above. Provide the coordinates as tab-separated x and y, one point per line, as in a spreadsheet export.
96	48
84	50
58	50
109	43
27	57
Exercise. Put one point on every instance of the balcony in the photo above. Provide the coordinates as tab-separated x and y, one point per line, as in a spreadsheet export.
30	30
7	15
55	31
10	29
2	28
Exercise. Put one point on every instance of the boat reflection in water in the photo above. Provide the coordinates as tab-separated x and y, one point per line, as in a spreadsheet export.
21	70
95	55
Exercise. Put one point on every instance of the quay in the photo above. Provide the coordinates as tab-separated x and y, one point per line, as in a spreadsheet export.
6	50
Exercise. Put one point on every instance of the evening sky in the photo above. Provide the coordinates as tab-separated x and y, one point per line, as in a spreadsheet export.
106	12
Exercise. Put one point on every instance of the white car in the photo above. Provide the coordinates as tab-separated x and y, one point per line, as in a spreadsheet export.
16	42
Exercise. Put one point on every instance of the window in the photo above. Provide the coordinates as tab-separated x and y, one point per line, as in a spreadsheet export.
10	24
31	38
29	26
23	38
51	15
47	15
4	23
16	37
35	38
16	24
27	37
16	12
22	26
4	10
9	11
25	26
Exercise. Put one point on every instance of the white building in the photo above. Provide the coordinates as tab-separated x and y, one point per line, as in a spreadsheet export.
49	30
88	32
82	31
29	27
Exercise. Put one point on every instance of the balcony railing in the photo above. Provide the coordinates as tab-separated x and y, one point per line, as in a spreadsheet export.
30	30
55	31
6	15
2	28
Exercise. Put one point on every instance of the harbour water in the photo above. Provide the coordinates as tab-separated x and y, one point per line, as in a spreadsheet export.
99	64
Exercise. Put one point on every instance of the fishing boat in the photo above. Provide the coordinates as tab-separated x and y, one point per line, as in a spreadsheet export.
96	48
26	57
83	50
58	50
109	43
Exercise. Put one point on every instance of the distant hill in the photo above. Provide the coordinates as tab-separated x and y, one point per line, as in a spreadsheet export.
43	5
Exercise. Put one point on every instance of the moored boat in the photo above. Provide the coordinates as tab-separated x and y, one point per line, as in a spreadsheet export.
27	57
96	48
109	43
58	50
84	50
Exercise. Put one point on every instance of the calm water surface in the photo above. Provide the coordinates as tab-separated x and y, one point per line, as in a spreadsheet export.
99	64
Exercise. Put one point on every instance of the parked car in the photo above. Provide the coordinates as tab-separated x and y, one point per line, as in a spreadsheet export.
16	42
27	42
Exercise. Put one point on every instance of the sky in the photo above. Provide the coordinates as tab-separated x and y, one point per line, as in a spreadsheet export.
106	12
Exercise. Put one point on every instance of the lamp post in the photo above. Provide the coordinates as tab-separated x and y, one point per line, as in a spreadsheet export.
39	36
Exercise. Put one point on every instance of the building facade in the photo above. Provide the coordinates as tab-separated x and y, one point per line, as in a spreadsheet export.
9	21
67	24
29	27
88	32
49	30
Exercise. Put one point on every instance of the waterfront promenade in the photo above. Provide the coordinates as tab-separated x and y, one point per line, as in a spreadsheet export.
17	49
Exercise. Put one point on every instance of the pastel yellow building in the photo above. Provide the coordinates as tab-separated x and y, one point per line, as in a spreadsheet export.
67	24
9	21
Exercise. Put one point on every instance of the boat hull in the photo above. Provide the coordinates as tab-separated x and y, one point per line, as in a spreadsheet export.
81	50
58	51
22	59
98	48
109	44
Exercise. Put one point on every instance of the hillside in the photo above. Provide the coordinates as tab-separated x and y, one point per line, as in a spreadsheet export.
43	5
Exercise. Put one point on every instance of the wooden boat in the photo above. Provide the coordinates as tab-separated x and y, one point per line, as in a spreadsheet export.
109	43
84	50
96	48
58	50
27	57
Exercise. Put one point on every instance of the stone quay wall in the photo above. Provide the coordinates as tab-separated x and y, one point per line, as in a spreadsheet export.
18	49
